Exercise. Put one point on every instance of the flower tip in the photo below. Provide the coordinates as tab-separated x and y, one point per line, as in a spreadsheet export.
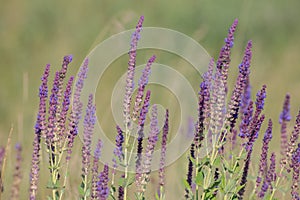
140	23
18	146
249	44
86	61
68	58
152	59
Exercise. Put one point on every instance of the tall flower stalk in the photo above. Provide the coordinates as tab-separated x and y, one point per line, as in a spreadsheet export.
129	88
95	170
40	130
52	126
161	190
213	172
89	122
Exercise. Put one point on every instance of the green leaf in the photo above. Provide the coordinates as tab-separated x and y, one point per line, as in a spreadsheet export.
81	191
130	180
186	185
121	181
199	179
112	189
217	161
231	183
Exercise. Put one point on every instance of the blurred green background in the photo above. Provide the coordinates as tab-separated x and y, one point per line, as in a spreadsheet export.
34	33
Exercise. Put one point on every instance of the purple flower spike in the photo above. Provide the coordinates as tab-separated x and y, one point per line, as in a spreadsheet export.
142	118
284	118
293	139
65	108
68	58
244	70
217	105
264	153
254	133
141	123
246	120
142	84
53	106
254	130
118	151
260	99
163	151
189	175
60	115
35	168
246	96
285	114
257	120
121	193
103	190
64	67
130	72
152	139
40	127
144	110
269	178
224	57
208	76
76	108
203	109
89	123
95	178
295	165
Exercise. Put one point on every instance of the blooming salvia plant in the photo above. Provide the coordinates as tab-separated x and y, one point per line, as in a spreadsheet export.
58	128
224	172
220	160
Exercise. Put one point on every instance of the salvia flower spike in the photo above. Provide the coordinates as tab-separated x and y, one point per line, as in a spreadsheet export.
40	128
234	104
95	169
295	165
163	154
88	125
224	56
264	153
130	72
76	111
142	84
284	118
103	190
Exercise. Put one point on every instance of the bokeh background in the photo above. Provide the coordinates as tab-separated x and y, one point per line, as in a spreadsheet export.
33	33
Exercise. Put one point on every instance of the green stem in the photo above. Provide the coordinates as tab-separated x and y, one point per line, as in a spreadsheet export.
65	181
161	194
125	160
277	183
196	172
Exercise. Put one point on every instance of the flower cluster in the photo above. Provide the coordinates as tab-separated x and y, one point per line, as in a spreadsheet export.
219	160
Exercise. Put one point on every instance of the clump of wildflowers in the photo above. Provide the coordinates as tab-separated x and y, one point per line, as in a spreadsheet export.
219	174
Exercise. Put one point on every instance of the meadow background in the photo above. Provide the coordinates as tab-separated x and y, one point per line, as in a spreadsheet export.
34	33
